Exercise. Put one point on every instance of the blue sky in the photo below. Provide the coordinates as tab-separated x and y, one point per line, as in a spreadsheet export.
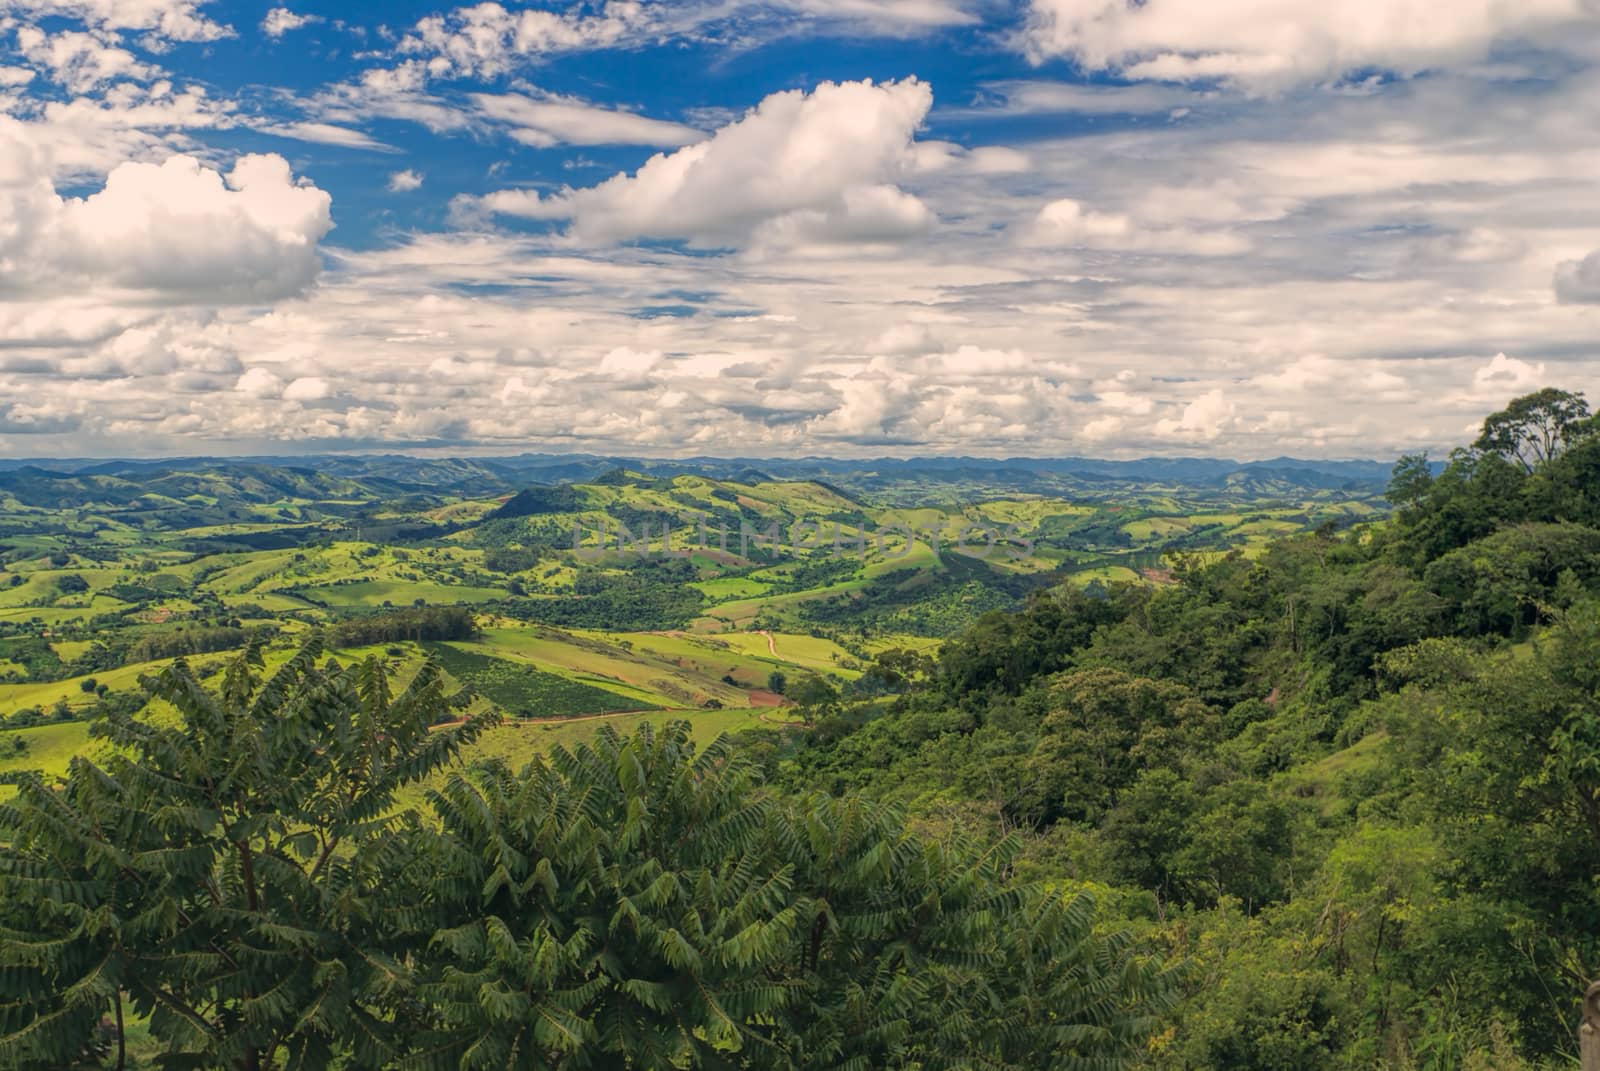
1238	227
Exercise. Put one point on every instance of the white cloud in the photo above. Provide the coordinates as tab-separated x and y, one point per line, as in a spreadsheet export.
1578	281
1504	377
259	382
1271	44
405	181
397	92
565	121
890	16
1066	222
485	40
81	61
323	134
11	77
932	157
799	166
307	389
1028	97
628	365
175	20
1203	419
1369	249
179	230
280	20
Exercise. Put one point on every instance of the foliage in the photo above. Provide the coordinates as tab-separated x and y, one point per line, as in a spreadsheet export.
431	623
225	876
1349	780
634	901
621	603
1534	428
189	641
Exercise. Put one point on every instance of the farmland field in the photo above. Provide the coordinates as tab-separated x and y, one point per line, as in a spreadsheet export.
128	573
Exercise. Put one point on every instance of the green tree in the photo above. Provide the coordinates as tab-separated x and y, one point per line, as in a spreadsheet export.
1409	484
1104	726
1505	763
1534	428
777	682
226	872
636	903
817	699
613	905
72	584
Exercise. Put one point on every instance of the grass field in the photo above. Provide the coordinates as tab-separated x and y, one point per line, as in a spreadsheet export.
14	697
368	593
50	747
525	691
602	659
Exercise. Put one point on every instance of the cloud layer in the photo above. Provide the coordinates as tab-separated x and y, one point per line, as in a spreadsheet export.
1261	228
1272	44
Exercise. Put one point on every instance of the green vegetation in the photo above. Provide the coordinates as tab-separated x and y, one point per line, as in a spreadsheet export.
526	692
1234	769
1348	781
239	882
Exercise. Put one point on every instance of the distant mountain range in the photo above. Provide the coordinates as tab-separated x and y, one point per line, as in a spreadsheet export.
484	476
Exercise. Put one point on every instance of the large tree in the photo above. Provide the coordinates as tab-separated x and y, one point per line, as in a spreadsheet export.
634	903
1535	427
225	873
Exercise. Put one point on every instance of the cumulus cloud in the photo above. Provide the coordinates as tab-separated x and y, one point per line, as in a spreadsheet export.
280	20
307	389
1202	419
405	181
1389	239
1504	376
259	382
1578	281
1271	44
815	166
178	230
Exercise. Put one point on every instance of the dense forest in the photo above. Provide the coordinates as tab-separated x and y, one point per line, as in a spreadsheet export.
1351	785
1331	805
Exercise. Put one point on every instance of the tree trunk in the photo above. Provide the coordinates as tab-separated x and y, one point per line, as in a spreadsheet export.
1589	1032
122	1041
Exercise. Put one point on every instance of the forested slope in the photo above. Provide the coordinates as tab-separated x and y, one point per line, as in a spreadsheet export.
1352	784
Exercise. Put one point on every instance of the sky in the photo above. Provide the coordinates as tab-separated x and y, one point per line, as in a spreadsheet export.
1240	228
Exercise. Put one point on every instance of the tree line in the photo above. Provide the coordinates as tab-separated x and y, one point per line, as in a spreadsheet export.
242	879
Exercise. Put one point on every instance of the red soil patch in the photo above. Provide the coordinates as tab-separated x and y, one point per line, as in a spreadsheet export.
767	699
